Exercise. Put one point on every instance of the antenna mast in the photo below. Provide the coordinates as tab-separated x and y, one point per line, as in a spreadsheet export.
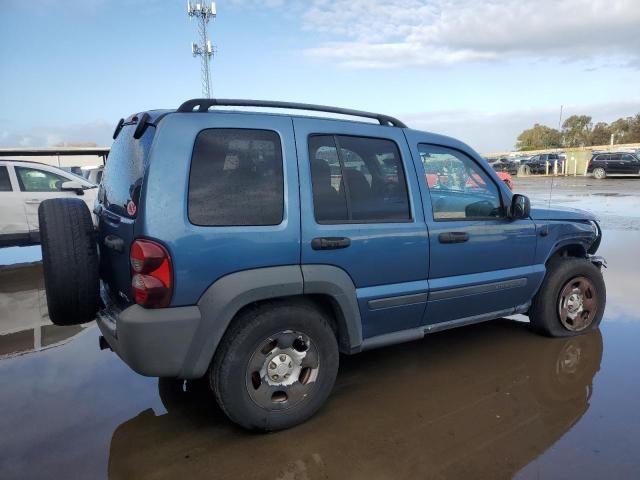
203	13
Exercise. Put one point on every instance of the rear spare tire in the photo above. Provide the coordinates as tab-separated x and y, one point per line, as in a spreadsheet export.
70	260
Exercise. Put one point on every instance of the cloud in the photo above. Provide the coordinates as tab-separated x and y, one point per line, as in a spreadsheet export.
490	132
401	33
95	132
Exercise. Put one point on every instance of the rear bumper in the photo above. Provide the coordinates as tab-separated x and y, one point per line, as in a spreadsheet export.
153	342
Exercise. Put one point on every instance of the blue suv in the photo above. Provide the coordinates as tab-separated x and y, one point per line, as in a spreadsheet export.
252	248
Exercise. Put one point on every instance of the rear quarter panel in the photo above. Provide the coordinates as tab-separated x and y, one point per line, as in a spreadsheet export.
203	254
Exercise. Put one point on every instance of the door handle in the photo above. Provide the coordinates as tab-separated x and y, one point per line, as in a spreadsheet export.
33	201
114	243
453	237
330	243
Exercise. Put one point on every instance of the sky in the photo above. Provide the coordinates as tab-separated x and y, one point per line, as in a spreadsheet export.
479	70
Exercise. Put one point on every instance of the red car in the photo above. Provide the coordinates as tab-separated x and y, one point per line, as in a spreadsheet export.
434	180
506	178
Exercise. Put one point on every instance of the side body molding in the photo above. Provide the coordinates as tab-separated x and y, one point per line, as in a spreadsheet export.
334	282
222	300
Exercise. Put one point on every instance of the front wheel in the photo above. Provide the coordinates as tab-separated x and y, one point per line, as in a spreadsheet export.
571	300
599	173
276	365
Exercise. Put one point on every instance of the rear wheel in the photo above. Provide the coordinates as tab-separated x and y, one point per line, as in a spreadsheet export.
599	173
571	300
69	260
276	366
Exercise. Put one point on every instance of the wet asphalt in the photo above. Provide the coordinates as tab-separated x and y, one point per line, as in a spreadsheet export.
487	401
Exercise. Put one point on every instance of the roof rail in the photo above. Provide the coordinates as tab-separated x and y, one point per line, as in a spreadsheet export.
203	105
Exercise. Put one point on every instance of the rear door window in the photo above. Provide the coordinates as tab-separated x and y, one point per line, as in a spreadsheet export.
236	178
329	200
357	179
5	181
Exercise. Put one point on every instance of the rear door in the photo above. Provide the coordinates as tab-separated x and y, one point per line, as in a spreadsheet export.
118	208
481	262
615	165
13	221
629	164
361	212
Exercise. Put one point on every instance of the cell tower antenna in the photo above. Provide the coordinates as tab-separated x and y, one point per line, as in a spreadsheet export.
203	13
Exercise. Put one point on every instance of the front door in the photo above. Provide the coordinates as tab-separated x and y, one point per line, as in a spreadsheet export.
362	213
629	164
37	185
615	165
481	262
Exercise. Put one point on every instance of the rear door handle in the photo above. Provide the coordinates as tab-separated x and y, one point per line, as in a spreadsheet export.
330	243
453	237
33	201
114	243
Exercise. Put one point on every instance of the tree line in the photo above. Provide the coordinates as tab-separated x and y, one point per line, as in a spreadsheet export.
579	131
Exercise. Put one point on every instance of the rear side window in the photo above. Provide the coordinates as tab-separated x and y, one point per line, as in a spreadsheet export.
5	182
125	169
236	178
357	179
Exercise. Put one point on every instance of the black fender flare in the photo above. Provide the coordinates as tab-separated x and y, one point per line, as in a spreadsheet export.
228	295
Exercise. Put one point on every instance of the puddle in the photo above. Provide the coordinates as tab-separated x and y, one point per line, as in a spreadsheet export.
20	255
488	401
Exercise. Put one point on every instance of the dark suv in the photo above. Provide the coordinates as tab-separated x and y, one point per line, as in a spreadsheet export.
540	163
251	248
614	163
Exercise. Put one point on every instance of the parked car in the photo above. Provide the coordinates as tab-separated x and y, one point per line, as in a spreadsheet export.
23	185
614	164
506	178
226	249
505	165
93	174
538	163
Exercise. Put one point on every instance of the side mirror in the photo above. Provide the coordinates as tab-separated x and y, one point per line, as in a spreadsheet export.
520	207
73	186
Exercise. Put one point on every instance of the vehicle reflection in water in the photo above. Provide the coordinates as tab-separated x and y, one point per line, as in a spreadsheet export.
478	402
25	325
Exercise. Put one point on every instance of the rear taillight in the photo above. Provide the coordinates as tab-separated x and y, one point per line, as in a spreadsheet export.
151	269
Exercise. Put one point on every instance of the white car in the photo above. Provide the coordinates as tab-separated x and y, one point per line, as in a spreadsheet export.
23	185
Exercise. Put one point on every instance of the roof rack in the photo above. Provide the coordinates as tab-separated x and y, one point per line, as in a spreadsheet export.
203	105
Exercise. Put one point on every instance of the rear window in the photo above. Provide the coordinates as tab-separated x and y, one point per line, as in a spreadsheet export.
124	170
236	178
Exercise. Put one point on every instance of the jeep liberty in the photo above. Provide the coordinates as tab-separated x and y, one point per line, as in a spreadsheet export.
253	248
